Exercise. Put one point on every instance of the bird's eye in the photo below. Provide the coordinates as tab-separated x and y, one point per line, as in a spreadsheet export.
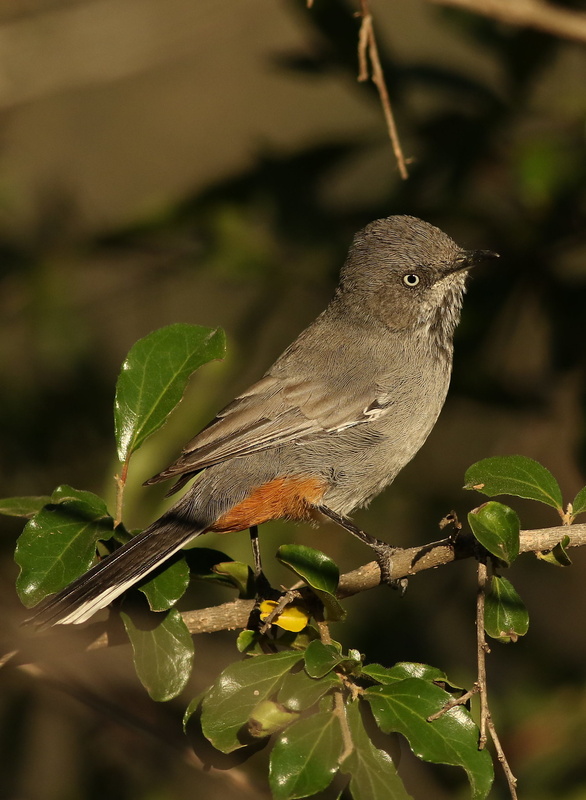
411	280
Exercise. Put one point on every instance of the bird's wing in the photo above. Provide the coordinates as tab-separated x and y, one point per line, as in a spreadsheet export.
273	412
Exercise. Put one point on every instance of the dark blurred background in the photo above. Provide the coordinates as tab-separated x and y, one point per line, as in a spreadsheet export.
209	162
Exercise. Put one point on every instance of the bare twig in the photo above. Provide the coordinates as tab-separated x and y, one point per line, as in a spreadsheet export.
286	599
486	721
455	701
120	486
537	14
368	52
482	649
500	754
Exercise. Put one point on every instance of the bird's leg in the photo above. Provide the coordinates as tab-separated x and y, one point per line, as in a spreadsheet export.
260	581
383	551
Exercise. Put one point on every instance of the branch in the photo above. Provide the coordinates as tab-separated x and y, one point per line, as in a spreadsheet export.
234	615
536	14
406	563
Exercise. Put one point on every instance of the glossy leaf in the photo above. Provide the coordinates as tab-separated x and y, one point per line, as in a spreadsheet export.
167	586
59	543
238	574
321	658
299	691
579	504
163	652
373	776
516	475
268	717
402	670
241	686
558	555
318	571
505	615
192	708
154	376
496	527
305	757
23	506
405	706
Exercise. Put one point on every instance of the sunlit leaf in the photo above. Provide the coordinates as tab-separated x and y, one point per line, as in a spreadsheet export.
163	652
318	571
496	527
405	706
154	376
558	555
167	586
505	615
305	757
516	475
299	691
579	504
241	686
59	543
23	506
373	775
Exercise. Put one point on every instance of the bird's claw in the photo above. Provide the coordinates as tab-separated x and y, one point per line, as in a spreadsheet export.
384	557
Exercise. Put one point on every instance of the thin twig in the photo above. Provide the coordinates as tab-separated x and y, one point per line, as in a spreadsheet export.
120	486
455	701
368	52
284	601
500	754
340	712
482	649
486	721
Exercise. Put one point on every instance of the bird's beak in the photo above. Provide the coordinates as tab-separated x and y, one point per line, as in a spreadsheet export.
470	258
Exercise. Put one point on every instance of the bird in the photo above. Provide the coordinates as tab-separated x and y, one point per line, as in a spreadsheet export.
328	426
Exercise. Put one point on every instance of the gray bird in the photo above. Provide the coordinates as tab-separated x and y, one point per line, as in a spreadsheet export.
329	425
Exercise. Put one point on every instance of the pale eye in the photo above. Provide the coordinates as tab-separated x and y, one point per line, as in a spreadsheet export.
411	280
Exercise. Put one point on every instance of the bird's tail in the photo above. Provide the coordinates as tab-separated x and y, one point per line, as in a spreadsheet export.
107	580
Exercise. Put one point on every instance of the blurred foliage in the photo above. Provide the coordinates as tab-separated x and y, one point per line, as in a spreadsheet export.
494	167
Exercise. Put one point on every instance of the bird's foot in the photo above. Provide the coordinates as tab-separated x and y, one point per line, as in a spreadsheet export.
384	556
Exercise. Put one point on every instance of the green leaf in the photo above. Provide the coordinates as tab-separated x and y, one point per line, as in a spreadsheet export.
516	475
496	527
558	555
239	575
299	691
192	708
321	658
167	587
154	376
402	670
268	717
59	543
23	506
241	686
318	571
505	615
163	652
579	504
305	757
373	775
404	707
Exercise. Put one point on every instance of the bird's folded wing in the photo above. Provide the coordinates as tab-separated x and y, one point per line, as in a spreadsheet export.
271	413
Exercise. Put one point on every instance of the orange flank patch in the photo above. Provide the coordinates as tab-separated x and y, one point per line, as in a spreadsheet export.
281	497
